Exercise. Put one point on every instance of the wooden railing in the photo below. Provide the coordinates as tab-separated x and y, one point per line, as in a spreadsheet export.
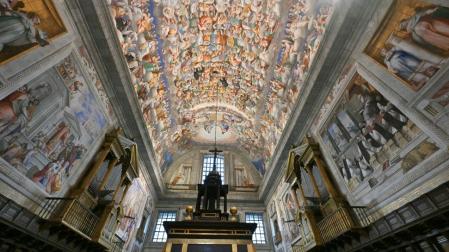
361	217
335	224
71	213
117	244
298	248
52	206
341	221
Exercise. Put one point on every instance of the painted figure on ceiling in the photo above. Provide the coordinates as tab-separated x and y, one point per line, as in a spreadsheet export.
208	41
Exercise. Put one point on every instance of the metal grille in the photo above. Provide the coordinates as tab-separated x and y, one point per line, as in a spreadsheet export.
159	234
208	165
72	213
259	234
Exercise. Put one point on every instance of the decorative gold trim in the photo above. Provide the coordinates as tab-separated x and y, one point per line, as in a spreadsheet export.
209	231
168	246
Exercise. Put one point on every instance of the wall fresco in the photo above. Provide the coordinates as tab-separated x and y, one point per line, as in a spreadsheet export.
365	132
414	42
27	24
48	125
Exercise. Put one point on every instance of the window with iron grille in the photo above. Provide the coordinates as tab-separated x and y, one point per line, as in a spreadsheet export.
259	234
159	234
208	165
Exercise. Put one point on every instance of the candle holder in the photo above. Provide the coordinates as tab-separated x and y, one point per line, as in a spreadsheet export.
189	213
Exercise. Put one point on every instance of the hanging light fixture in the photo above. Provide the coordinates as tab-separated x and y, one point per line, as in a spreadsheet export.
215	150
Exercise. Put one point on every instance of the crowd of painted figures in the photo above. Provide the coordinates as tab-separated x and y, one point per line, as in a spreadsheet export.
364	126
246	55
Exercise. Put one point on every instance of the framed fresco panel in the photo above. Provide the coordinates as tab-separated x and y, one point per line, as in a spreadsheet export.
47	126
413	41
27	24
373	129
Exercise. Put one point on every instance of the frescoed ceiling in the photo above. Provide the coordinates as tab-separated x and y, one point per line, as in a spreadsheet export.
240	62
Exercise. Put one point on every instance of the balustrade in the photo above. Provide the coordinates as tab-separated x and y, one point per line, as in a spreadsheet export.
72	213
343	220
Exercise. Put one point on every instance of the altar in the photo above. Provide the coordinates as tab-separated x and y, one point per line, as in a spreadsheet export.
205	236
209	229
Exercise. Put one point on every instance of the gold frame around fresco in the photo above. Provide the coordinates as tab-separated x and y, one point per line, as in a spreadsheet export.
54	13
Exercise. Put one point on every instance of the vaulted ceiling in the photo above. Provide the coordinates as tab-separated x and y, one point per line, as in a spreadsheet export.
241	63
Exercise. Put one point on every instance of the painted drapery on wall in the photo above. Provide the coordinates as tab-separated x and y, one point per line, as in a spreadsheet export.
414	42
366	133
133	208
47	126
25	24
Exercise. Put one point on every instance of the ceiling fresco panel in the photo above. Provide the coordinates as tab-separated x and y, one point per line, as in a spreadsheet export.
238	63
